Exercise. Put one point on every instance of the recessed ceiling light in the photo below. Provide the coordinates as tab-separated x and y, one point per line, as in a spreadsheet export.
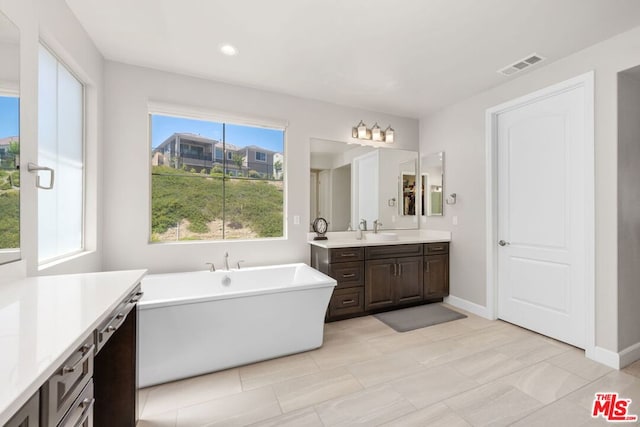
228	50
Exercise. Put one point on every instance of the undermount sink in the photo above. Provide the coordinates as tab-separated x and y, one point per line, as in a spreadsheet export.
381	237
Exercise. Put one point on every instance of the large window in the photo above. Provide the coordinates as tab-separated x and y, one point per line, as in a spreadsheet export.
9	176
60	147
218	194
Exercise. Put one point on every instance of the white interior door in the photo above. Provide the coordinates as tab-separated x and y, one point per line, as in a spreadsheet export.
541	215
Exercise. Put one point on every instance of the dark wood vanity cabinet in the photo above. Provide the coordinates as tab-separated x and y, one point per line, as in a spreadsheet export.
393	281
436	271
379	278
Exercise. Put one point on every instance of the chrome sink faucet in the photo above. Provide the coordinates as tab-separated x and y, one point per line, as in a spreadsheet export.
363	224
226	261
376	226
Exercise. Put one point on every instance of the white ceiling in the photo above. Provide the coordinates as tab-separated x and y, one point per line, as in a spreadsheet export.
406	57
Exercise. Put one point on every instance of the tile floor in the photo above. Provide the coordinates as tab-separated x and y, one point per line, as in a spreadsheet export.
467	372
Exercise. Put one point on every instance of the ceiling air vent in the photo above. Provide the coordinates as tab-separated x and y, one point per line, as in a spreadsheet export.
522	64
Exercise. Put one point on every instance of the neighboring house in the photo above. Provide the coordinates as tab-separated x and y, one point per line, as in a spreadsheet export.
190	151
258	159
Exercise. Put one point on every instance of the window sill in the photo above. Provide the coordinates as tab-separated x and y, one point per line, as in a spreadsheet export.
65	259
201	242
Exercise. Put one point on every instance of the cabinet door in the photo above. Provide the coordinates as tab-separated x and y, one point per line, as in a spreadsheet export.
409	286
379	283
436	276
28	415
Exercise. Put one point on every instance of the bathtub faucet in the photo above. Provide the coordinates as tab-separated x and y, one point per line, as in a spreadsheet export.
226	261
212	267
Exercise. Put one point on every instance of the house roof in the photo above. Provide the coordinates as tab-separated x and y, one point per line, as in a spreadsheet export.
255	147
8	140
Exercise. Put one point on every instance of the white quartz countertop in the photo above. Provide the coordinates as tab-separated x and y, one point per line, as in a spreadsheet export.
44	319
348	239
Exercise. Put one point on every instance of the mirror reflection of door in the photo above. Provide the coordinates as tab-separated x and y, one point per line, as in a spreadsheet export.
432	180
408	194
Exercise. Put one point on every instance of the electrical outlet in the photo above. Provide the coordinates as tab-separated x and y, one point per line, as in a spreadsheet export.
454	219
296	220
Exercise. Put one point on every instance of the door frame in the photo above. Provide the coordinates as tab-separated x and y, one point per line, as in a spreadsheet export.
585	81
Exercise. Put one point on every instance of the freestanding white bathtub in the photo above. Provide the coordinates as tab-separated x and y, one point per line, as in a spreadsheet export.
198	322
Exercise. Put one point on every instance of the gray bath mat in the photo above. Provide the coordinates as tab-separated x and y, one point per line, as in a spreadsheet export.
418	317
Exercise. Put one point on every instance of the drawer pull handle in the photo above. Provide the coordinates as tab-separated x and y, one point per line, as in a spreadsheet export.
137	297
347	276
427	265
86	350
348	301
112	328
87	404
348	254
437	248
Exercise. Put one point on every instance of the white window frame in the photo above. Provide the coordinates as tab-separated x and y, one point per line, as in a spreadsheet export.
181	111
49	262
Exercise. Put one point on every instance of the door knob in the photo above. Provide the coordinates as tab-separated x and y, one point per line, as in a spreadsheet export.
503	243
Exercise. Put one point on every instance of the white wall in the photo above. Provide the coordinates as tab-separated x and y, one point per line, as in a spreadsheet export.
459	131
53	22
628	209
126	162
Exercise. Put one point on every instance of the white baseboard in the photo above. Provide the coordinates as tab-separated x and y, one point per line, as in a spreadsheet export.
469	306
604	356
629	355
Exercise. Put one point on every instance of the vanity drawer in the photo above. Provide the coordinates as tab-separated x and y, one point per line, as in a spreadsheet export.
348	274
117	318
436	248
393	251
62	389
81	412
346	254
346	301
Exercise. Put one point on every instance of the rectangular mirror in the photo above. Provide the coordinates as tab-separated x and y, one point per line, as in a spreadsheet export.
353	184
9	141
432	175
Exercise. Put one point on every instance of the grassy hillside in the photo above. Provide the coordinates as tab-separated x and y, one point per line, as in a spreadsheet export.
199	199
9	209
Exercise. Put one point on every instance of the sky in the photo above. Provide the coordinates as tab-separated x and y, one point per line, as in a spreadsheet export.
164	126
9	116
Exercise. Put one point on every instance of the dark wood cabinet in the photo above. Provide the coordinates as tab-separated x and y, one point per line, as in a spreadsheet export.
378	278
379	283
436	276
409	280
28	415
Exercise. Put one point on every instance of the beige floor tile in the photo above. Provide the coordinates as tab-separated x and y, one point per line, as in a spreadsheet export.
487	338
315	388
493	404
633	369
331	357
432	385
276	370
438	415
443	352
560	413
532	350
182	393
142	398
370	407
306	417
164	419
544	381
236	410
627	386
384	369
398	341
445	330
487	366
575	361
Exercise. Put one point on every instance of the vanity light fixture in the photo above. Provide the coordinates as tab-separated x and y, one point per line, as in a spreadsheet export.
389	134
375	133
